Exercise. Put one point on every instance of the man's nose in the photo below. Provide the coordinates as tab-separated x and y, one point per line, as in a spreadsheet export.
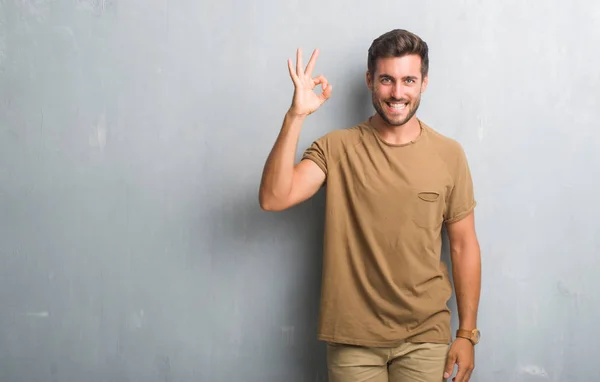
398	90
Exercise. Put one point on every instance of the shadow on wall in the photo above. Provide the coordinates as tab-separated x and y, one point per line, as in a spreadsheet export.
446	258
359	98
274	261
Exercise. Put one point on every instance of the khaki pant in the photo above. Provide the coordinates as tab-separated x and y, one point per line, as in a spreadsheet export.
405	363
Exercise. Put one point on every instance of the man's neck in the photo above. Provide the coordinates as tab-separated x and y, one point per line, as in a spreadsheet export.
397	135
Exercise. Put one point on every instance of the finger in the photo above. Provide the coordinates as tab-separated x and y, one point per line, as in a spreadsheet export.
311	63
468	375
299	65
326	93
320	80
292	73
460	375
449	366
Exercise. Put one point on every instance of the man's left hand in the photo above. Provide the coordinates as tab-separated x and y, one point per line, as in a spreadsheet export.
462	353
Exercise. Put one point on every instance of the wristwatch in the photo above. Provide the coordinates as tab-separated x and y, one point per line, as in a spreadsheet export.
472	335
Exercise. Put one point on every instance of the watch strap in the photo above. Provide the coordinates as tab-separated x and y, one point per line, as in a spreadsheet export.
471	335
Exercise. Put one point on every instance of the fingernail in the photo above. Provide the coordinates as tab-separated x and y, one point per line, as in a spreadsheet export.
446	375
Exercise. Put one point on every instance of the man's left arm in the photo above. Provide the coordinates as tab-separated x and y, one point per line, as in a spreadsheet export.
466	272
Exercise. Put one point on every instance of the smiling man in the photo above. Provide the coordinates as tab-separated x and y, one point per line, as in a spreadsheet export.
392	184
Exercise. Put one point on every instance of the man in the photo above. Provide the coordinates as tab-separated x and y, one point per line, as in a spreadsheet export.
392	183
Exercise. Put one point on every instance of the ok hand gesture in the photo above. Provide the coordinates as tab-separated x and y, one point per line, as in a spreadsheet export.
306	101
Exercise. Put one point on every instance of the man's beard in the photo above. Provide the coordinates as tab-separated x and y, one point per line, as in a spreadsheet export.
411	111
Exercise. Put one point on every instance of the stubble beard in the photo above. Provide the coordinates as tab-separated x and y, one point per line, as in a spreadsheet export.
413	106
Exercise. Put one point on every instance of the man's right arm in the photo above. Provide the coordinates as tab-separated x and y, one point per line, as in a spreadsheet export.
283	183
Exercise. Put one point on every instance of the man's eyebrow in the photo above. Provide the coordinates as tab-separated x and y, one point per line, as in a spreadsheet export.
383	75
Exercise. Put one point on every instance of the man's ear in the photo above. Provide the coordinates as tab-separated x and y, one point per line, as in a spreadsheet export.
369	80
424	84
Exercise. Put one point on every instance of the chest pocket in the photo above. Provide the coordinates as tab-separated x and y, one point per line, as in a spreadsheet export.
427	207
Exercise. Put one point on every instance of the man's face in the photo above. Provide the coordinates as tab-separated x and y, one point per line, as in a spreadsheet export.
396	88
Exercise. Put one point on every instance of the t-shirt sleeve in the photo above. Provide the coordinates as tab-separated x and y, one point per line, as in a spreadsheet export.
461	200
317	152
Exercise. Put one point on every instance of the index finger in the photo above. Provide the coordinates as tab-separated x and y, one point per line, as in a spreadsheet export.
468	376
461	374
299	62
311	63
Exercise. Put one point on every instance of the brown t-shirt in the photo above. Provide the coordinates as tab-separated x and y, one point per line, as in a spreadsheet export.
383	280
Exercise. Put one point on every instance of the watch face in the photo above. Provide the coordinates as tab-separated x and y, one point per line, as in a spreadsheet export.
476	336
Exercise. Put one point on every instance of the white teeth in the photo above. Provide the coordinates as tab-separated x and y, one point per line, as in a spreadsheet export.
397	106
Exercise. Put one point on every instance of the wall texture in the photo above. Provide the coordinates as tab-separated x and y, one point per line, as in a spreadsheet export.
132	139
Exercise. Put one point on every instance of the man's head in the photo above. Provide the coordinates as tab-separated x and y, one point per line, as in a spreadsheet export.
398	64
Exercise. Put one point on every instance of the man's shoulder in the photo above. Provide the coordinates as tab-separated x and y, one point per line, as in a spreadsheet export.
346	136
444	144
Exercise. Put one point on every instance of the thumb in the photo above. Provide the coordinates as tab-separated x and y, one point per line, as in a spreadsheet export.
325	85
326	93
449	366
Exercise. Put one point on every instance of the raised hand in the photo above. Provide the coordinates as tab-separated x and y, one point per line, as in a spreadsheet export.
306	101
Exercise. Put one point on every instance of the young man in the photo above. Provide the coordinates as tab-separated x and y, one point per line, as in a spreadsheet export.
392	183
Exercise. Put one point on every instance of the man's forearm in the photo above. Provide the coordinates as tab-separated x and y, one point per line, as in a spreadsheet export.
466	270
279	168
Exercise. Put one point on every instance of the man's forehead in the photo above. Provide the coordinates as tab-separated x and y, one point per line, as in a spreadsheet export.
409	65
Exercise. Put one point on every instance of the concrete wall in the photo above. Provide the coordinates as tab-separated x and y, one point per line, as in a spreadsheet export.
132	139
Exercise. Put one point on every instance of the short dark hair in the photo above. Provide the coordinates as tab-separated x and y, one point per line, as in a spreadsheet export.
398	43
